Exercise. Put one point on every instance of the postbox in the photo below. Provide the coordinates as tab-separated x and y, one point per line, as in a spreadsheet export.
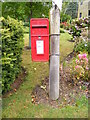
39	39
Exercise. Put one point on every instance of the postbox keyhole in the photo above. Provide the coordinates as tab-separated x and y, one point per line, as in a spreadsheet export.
39	37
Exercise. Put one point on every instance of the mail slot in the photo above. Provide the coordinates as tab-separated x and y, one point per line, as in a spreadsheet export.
39	39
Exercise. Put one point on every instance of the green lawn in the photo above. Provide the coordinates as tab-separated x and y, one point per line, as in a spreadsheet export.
26	39
66	46
19	105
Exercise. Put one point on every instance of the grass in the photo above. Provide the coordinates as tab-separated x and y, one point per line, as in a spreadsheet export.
26	29
19	104
26	39
65	45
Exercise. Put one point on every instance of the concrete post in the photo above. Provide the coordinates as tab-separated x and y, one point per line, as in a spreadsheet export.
55	54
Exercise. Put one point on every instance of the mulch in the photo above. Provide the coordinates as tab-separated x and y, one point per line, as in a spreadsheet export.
68	92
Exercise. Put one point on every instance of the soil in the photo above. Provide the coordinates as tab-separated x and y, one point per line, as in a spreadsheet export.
71	40
27	48
15	86
69	93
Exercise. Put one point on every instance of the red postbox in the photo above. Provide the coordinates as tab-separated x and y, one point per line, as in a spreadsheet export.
39	39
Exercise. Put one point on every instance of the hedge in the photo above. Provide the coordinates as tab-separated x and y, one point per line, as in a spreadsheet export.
12	46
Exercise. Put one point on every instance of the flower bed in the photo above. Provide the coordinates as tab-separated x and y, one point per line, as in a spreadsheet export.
64	25
79	67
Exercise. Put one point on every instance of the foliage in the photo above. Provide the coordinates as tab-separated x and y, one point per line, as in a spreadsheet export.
25	10
75	30
81	22
13	9
65	25
83	46
79	68
64	6
64	17
72	9
12	45
74	26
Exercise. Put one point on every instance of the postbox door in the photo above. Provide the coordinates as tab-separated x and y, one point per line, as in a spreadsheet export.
40	39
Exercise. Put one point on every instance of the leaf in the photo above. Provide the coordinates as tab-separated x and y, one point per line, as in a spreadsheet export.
15	90
43	87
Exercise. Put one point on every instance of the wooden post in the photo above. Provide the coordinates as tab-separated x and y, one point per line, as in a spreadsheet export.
55	55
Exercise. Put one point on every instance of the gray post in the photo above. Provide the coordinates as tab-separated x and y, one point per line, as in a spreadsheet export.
55	55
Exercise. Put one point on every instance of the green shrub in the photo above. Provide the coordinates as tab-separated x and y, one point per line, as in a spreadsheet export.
64	17
12	46
83	25
65	25
79	22
82	22
76	31
82	46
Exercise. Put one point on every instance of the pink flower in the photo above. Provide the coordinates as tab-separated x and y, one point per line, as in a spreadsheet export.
87	68
77	61
80	56
77	66
84	55
81	61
